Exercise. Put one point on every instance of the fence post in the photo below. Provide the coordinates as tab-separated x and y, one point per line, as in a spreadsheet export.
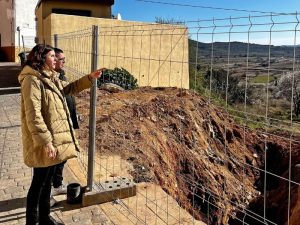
23	43
92	120
55	40
24	50
19	37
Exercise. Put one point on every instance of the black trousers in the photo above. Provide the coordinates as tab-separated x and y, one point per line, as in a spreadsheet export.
58	175
38	197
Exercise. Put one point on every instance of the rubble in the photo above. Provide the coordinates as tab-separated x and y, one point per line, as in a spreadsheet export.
196	152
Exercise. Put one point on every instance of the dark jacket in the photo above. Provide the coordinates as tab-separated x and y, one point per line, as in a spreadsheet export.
70	102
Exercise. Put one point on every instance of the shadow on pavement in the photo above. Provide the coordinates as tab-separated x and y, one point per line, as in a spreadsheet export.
12	204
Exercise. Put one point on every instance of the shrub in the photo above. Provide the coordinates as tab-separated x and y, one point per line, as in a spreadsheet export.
118	76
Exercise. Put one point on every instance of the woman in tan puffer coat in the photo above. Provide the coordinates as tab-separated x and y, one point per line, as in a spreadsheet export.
47	133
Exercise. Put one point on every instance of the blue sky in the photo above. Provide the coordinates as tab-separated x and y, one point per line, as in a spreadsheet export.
142	11
135	10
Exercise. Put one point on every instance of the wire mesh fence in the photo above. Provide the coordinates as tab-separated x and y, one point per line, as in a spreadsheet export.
78	54
118	55
229	65
224	152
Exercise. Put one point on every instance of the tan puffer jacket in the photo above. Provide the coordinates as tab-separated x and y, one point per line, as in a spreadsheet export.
45	116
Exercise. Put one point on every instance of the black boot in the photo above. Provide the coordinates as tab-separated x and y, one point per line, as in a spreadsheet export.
30	223
49	221
31	210
31	218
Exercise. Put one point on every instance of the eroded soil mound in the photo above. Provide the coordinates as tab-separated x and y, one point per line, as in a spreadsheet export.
196	152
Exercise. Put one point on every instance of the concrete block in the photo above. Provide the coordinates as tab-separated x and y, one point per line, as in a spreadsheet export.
107	191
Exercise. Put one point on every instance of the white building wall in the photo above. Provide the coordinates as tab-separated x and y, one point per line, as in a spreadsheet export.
7	22
25	20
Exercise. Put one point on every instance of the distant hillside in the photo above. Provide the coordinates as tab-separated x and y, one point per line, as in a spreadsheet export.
239	49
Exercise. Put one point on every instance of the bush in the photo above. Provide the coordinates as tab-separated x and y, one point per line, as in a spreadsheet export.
120	77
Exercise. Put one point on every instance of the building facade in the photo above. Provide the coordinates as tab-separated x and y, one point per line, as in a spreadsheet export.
17	19
88	8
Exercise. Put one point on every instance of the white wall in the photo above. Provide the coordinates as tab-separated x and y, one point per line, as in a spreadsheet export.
25	19
23	16
6	22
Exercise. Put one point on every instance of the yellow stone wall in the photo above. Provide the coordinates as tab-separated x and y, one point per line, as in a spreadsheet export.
39	23
156	54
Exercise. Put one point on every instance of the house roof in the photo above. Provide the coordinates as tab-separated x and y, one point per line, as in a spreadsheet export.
104	2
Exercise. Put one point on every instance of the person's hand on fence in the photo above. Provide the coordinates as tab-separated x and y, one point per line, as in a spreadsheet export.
50	151
97	73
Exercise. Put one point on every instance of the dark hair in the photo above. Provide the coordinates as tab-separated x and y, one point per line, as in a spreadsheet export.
58	51
37	56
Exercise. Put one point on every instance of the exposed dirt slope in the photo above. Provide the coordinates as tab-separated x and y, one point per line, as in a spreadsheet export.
195	151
